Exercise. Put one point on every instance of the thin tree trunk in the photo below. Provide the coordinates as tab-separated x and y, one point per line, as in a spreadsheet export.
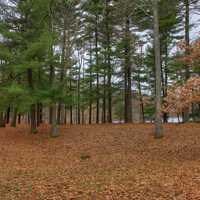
90	106
8	115
139	86
187	52
51	78
50	114
41	113
14	117
83	116
19	119
65	115
59	112
54	127
97	69
38	114
71	115
90	101
128	90
71	107
39	105
165	115
62	74
158	118
2	120
187	35
78	104
33	106
141	102
33	119
104	99
108	44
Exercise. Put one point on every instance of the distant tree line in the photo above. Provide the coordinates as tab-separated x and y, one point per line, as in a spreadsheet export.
92	56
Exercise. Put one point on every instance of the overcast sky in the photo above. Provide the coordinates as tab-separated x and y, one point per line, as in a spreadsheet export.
195	19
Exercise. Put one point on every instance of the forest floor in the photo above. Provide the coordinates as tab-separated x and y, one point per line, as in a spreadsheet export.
101	162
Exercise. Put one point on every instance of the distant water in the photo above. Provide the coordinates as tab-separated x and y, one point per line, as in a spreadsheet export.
170	120
174	119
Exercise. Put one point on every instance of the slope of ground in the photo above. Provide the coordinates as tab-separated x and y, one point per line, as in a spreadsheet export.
100	162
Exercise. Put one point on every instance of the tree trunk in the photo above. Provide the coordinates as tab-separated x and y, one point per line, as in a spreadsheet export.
65	115
97	69
50	114
90	106
90	101
109	67
187	52
83	116
158	117
33	119
187	35
141	102
142	119
14	117
59	112
104	99
71	115
128	90
41	113
38	114
78	91
8	115
165	115
71	106
33	106
2	120
63	69
54	128
19	119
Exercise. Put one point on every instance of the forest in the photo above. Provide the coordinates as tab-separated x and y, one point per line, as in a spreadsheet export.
99	99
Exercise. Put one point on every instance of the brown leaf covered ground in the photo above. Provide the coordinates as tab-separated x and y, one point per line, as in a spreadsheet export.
101	162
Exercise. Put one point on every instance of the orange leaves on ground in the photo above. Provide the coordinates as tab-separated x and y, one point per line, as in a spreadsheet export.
124	162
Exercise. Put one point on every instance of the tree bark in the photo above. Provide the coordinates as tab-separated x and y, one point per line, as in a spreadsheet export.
78	91
187	35
158	117
63	68
8	115
90	106
187	52
33	106
104	99
33	119
2	120
14	117
97	68
108	44
19	119
38	114
165	86
90	101
71	107
128	90
142	119
54	127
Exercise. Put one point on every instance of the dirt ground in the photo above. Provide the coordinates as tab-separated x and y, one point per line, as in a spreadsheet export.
100	162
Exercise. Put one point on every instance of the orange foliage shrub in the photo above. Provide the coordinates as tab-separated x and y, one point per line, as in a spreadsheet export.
181	97
194	52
